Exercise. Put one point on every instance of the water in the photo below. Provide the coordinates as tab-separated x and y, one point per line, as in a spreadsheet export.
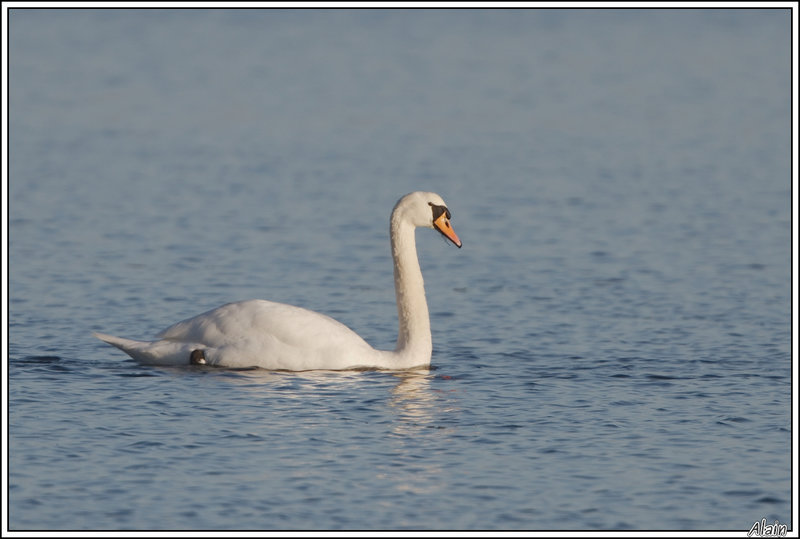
611	346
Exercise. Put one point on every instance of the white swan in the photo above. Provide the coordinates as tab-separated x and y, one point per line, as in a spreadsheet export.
275	336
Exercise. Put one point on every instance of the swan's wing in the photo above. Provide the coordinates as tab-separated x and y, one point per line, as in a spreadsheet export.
259	320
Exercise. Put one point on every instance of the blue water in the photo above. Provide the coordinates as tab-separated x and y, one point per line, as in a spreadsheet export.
612	346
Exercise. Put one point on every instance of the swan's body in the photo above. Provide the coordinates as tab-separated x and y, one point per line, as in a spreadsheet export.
259	333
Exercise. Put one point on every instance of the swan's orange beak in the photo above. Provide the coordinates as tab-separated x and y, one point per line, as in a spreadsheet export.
442	224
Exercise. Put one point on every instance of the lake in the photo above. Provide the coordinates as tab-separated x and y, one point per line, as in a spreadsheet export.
612	345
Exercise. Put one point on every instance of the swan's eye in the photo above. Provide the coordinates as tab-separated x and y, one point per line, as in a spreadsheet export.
438	211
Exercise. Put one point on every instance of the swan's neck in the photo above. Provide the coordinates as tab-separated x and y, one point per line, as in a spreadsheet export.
414	336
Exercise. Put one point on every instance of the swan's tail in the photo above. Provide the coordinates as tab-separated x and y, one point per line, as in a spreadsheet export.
130	347
119	342
153	353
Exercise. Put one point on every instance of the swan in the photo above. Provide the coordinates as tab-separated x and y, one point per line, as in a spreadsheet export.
276	336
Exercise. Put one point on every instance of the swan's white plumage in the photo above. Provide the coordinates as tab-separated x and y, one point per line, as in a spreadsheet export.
234	334
259	333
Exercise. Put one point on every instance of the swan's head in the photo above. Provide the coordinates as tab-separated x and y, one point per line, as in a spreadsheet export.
426	210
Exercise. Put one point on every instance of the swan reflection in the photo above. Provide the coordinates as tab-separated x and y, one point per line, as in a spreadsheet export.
415	404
